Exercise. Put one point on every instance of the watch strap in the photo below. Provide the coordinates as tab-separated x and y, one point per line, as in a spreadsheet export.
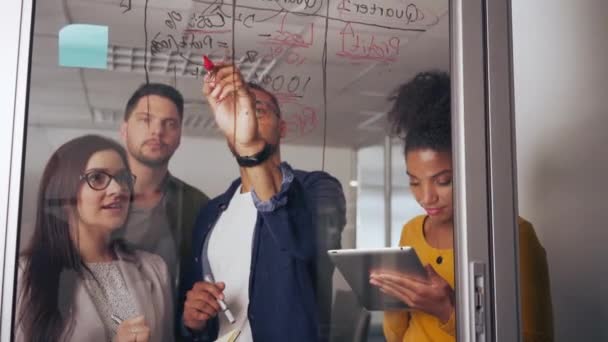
256	159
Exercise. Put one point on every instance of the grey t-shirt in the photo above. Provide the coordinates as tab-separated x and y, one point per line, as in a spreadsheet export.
149	229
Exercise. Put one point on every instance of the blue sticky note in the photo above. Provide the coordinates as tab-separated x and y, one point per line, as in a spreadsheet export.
83	46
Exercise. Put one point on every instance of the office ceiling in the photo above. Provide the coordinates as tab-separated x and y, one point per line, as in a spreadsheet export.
338	97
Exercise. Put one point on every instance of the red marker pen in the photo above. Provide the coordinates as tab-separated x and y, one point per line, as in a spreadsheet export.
209	66
207	63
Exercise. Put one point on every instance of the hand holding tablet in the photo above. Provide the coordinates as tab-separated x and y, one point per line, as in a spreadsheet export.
357	265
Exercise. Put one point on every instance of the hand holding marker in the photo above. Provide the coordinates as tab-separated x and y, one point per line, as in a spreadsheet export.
222	304
209	66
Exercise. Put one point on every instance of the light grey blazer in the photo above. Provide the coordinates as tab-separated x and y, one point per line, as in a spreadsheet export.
147	278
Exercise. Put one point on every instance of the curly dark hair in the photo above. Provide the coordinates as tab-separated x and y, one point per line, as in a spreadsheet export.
421	112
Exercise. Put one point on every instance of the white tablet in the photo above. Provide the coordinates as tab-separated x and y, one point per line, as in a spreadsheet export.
357	264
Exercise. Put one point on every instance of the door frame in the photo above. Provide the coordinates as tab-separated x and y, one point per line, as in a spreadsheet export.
15	32
485	199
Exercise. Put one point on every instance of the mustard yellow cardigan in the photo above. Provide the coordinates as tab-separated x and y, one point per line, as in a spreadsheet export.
537	315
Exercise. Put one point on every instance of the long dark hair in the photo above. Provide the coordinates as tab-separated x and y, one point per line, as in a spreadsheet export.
53	263
421	112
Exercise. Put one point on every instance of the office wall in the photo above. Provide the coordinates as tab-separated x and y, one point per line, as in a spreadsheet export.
370	228
561	76
202	162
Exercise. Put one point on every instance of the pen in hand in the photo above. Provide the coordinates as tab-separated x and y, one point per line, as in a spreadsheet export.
223	305
116	319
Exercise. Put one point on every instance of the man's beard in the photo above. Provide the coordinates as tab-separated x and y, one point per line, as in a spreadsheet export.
151	162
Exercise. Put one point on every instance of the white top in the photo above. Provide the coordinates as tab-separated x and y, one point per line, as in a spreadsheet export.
229	254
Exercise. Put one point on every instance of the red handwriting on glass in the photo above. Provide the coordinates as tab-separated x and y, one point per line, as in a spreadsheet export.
284	37
300	119
277	51
361	46
302	122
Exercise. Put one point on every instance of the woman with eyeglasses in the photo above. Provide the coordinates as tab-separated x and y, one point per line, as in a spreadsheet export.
75	283
422	112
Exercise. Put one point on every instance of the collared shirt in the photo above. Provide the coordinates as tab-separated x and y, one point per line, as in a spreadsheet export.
279	199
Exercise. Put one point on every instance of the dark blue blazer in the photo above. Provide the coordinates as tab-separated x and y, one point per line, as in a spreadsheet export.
282	300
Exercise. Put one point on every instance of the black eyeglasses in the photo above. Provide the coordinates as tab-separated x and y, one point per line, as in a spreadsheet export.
100	180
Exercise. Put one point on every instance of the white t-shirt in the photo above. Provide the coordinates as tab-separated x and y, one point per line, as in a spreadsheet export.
229	254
